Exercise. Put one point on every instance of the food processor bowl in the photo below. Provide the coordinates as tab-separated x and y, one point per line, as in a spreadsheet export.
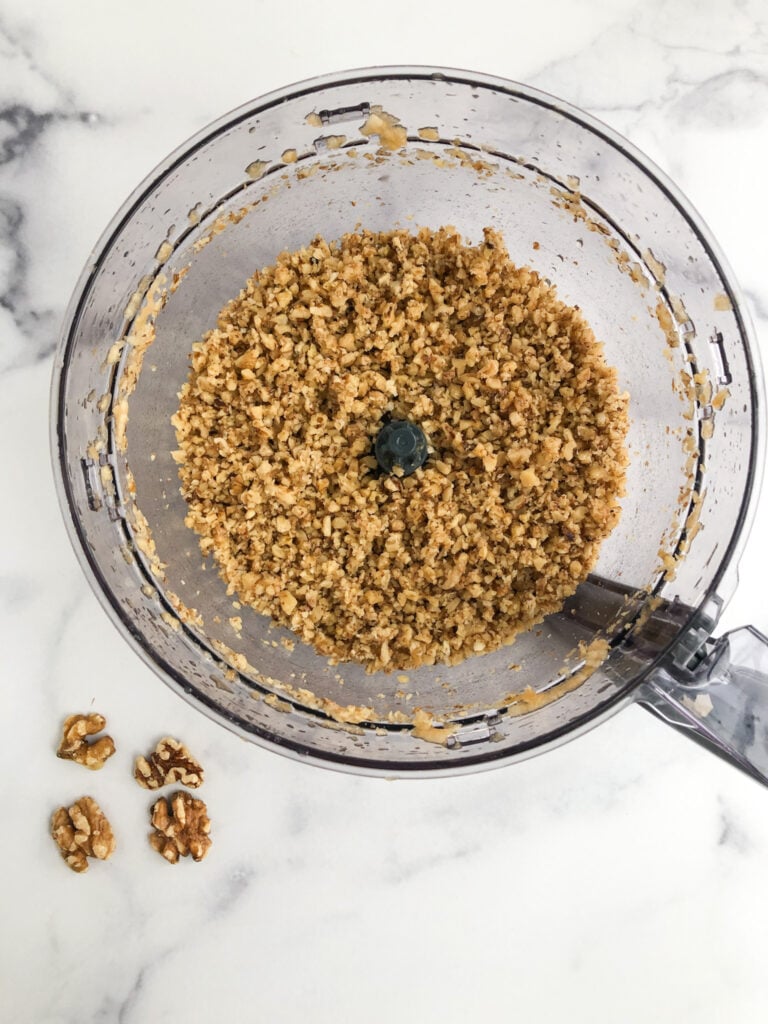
408	147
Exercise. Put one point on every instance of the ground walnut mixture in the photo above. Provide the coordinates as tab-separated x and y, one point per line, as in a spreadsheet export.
525	423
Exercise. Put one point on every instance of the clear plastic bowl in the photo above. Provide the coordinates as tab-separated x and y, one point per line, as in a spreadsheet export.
572	199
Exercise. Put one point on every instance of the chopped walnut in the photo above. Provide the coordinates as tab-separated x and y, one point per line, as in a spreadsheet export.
82	831
75	747
277	423
182	827
169	762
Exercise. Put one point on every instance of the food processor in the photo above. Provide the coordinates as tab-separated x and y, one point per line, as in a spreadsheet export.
408	147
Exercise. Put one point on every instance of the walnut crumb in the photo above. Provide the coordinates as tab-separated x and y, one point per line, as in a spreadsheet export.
82	831
169	762
182	827
74	745
285	398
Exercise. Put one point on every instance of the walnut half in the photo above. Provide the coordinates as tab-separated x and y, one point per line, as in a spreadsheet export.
169	762
75	747
82	831
181	826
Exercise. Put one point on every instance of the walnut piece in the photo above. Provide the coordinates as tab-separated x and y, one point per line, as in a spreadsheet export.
182	827
75	747
82	831
169	762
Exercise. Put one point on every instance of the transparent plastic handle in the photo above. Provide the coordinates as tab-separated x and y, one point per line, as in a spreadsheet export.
723	702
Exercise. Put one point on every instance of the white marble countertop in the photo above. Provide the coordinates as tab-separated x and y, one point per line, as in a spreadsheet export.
621	878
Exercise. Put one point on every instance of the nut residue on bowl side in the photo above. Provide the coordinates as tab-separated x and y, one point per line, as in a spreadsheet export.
285	397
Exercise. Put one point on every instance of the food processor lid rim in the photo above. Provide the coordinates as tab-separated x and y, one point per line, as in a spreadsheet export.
98	254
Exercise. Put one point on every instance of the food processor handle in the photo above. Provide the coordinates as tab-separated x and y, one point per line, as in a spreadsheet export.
723	702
